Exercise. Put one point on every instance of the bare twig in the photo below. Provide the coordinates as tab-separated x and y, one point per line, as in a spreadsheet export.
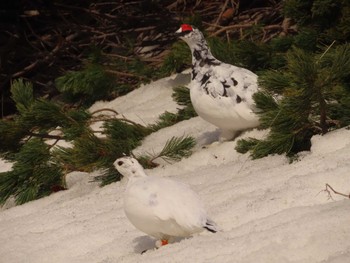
222	11
330	189
104	118
45	136
52	145
104	109
124	74
240	26
37	62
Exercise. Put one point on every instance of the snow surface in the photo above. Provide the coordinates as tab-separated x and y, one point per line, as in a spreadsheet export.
268	210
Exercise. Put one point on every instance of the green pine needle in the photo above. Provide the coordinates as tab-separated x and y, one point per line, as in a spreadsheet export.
182	96
108	176
22	95
177	148
315	99
243	145
33	175
174	149
87	85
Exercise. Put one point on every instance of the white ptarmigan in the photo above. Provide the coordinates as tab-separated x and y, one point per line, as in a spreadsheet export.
220	93
160	207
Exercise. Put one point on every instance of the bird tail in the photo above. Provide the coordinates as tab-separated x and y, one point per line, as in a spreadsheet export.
211	226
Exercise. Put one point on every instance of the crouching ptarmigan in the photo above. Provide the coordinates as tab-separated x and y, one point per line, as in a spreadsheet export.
161	207
220	93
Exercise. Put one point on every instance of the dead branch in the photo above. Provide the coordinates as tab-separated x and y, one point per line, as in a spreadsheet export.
228	28
104	109
58	37
45	136
124	74
37	62
330	189
222	11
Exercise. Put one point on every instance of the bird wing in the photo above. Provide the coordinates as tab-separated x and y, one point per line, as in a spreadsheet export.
228	81
177	201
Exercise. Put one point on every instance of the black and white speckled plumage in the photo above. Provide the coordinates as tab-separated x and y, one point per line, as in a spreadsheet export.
220	93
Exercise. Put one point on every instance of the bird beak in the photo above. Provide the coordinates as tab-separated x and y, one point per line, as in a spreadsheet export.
178	33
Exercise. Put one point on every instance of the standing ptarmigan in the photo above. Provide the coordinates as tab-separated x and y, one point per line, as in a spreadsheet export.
161	207
220	93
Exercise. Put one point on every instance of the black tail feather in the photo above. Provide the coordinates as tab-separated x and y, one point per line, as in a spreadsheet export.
211	226
210	229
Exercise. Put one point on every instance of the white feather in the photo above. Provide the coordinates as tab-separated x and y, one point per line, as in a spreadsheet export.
161	207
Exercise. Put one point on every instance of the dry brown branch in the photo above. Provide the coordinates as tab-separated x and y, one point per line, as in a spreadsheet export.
108	117
222	11
53	145
124	74
59	39
37	62
230	27
104	109
330	189
45	136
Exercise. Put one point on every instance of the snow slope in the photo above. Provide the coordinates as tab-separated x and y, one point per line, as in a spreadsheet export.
269	210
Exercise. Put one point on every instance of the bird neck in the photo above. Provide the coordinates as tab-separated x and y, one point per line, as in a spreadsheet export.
135	176
202	56
137	172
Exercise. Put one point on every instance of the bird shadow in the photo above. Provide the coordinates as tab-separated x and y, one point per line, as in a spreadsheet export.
208	138
145	243
180	79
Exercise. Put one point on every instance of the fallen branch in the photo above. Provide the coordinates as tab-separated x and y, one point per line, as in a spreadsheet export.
104	109
330	188
45	136
109	117
223	29
222	11
124	74
39	61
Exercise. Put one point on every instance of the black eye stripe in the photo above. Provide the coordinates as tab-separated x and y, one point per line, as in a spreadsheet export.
184	33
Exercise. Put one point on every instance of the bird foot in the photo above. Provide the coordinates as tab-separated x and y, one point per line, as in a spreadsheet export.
161	243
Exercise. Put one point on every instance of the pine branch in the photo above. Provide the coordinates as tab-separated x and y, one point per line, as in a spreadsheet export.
312	87
33	175
174	150
87	85
245	145
108	176
177	148
182	96
22	95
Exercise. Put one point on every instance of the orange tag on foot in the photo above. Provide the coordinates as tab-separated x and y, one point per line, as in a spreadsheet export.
164	242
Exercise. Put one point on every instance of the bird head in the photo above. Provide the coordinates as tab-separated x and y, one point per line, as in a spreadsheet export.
190	34
129	167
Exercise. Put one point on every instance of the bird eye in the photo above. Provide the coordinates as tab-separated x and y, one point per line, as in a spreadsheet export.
120	163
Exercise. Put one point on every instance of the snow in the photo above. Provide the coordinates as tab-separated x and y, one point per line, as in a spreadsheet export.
268	210
145	104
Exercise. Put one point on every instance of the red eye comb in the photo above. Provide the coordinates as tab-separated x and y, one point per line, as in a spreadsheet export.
186	27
